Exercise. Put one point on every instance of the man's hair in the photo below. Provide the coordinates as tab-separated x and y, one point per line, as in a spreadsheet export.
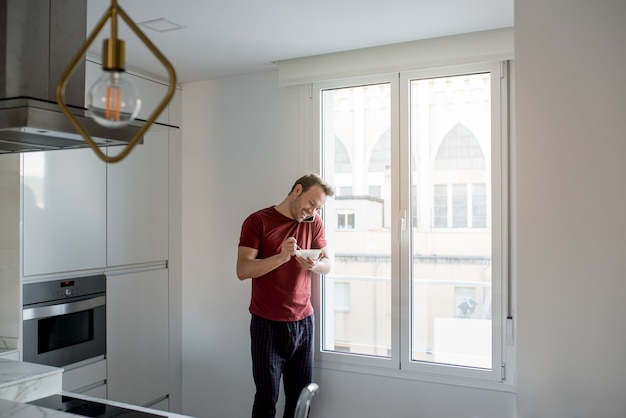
312	179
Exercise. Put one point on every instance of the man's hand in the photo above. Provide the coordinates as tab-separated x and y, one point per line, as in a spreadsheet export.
288	248
307	263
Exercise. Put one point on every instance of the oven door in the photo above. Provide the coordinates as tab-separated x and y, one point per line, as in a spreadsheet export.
65	332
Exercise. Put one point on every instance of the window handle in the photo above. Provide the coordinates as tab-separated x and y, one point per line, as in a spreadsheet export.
402	223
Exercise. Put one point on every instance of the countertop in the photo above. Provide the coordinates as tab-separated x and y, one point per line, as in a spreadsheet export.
12	371
22	382
5	351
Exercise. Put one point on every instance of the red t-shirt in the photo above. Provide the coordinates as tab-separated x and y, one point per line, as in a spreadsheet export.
283	294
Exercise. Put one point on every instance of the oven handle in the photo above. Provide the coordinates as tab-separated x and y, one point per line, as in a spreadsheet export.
64	308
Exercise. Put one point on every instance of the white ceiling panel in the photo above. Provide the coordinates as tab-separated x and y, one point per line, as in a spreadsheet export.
223	38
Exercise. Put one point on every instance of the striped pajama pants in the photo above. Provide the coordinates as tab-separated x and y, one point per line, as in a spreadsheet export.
280	349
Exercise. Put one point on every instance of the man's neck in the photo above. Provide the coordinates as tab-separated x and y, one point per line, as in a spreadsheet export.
283	209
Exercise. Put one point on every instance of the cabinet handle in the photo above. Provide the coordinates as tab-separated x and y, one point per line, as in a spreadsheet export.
63	309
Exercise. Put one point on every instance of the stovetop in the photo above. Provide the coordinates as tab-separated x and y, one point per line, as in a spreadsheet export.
85	408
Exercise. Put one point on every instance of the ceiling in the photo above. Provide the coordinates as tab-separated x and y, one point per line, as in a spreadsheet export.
234	37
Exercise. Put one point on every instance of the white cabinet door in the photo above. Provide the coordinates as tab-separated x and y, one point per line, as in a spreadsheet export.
174	113
137	220
64	211
137	337
85	377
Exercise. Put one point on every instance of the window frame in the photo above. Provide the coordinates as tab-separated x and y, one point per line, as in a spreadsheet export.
338	360
501	375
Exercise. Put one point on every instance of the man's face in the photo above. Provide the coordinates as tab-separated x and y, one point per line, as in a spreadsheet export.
306	204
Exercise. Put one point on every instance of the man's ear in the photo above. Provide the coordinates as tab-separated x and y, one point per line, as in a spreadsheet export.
298	189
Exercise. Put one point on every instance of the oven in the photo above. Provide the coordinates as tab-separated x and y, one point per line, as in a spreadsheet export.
64	321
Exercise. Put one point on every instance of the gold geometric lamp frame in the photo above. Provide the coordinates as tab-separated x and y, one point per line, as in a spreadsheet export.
113	58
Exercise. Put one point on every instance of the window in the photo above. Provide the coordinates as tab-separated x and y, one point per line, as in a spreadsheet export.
460	156
342	297
459	206
441	206
479	205
420	254
375	191
345	219
344	191
360	115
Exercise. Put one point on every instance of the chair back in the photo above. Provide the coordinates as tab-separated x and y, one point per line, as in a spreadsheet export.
304	400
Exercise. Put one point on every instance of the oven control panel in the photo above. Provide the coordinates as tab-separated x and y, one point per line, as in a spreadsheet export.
67	288
53	290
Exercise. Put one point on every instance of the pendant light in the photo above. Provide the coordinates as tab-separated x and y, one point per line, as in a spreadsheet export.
112	101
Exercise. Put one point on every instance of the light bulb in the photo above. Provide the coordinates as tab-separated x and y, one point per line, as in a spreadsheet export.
112	100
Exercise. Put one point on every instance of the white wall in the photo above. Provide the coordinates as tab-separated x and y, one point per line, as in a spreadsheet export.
240	153
571	206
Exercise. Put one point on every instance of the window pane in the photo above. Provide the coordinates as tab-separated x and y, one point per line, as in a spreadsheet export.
479	206
375	191
450	133
344	191
356	296
459	206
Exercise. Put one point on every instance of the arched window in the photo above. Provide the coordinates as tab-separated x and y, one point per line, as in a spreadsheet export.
460	192
379	163
342	158
459	150
380	158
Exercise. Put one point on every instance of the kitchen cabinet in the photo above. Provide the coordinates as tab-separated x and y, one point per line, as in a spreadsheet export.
80	213
64	211
88	378
138	337
137	203
174	110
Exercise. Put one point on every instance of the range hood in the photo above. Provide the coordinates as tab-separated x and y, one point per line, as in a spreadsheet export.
38	39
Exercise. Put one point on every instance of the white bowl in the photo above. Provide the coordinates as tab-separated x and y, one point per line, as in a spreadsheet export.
312	254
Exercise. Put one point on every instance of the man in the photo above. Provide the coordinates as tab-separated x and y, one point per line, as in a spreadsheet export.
282	323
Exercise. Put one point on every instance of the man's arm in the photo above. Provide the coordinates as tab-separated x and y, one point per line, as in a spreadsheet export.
249	267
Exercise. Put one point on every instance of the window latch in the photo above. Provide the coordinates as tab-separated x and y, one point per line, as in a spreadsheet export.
402	223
